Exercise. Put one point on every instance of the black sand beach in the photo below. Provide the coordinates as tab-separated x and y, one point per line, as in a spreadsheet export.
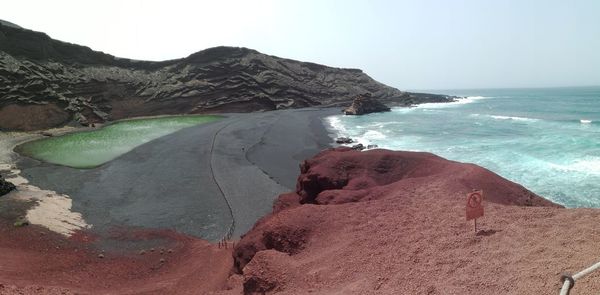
178	181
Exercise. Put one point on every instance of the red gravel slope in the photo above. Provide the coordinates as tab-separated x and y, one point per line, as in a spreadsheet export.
36	261
375	222
383	222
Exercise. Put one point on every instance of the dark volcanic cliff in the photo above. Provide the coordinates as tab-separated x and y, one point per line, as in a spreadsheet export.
46	83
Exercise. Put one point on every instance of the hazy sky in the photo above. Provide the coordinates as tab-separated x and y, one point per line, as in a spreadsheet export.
407	44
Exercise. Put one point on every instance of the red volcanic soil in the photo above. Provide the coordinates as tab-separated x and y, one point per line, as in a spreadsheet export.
383	222
374	222
36	261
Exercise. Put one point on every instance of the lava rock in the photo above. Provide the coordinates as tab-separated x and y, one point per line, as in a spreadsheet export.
46	83
5	186
344	140
365	104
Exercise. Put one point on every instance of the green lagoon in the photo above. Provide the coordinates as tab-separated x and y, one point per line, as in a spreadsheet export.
90	149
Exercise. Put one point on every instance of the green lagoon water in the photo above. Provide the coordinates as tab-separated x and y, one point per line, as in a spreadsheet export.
93	148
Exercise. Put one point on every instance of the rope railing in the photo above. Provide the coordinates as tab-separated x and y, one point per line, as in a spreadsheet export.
569	281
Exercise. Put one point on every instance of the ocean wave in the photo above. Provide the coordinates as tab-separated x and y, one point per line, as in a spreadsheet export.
499	117
515	118
589	165
582	121
459	101
336	124
384	124
370	137
403	110
372	134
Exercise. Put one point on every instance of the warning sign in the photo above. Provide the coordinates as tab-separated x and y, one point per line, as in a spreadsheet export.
474	205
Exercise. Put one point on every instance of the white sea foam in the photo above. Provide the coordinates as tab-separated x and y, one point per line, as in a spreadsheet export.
370	137
372	134
384	124
498	117
589	165
513	118
336	124
459	101
582	121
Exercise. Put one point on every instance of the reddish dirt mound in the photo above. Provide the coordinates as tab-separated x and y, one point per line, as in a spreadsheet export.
36	261
382	222
344	175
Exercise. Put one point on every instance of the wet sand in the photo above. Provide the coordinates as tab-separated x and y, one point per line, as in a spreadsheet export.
44	207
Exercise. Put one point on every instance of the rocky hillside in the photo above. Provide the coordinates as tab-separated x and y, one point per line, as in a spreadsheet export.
47	83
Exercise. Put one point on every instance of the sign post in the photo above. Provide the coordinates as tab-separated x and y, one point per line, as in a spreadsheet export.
474	206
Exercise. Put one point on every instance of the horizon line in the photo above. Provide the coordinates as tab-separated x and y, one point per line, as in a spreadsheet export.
502	88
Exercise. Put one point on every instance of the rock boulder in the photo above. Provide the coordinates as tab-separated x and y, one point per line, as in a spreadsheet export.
365	104
5	186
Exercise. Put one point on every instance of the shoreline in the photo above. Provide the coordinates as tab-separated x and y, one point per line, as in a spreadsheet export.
253	157
247	138
45	208
246	145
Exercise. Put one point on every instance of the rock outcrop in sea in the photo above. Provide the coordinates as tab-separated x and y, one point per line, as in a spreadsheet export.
47	83
365	104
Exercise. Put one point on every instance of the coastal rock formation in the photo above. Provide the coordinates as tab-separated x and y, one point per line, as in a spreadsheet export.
47	83
365	104
383	222
344	140
5	186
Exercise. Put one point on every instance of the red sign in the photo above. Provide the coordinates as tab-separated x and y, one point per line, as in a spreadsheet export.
474	205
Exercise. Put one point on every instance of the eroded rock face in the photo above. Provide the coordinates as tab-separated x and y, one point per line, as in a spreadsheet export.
90	86
32	116
5	186
365	104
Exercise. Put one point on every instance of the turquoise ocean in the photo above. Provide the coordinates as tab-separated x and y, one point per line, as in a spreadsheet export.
547	139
